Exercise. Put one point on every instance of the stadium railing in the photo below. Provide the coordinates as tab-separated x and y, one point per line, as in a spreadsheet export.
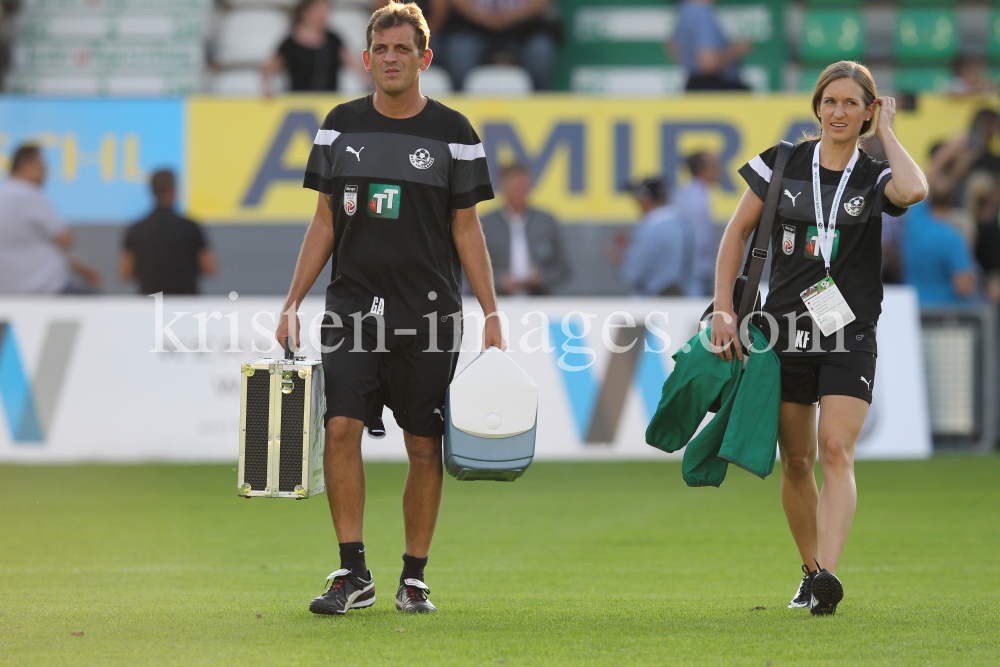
962	362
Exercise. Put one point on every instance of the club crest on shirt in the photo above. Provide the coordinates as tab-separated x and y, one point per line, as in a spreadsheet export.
421	158
788	239
855	206
350	199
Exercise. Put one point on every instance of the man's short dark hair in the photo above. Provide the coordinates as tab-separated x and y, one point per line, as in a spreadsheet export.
941	197
514	168
696	162
653	189
24	154
162	182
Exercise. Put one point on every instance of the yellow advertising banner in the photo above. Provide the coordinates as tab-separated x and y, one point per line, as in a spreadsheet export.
245	158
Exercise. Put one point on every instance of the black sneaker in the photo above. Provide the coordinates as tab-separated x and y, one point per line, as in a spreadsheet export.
346	591
804	594
827	592
412	597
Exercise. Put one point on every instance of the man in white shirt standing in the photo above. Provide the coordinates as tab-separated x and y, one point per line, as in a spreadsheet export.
523	242
34	239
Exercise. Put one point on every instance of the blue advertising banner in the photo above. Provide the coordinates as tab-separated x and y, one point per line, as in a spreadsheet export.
99	153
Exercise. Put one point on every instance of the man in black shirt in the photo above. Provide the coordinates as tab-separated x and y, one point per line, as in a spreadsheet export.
164	251
399	177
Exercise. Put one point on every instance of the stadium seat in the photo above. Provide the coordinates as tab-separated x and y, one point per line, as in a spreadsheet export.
249	37
922	80
830	35
628	81
244	83
435	82
926	35
498	81
993	36
351	25
351	83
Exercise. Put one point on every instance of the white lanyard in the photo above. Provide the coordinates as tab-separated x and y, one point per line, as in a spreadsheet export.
826	233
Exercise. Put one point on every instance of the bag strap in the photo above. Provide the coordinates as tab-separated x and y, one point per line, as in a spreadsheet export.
757	256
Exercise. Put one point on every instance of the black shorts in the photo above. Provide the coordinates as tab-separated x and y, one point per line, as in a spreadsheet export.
806	377
409	378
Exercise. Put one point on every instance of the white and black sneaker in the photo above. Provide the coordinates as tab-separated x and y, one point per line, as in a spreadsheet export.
804	594
346	591
411	597
827	592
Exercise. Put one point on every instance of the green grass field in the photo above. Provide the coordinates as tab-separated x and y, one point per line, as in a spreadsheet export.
574	564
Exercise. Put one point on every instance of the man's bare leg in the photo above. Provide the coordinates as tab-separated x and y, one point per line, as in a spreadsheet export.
345	477
422	494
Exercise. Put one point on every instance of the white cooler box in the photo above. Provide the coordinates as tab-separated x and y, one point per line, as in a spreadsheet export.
491	415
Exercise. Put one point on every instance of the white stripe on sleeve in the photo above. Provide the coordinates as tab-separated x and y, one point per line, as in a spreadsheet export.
884	172
758	165
326	137
466	151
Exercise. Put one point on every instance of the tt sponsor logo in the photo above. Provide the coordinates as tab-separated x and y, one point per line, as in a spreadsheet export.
383	201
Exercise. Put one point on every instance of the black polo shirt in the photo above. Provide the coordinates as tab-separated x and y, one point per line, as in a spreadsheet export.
797	263
392	185
166	247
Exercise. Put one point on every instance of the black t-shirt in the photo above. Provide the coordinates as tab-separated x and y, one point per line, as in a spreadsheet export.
392	184
797	263
312	69
166	247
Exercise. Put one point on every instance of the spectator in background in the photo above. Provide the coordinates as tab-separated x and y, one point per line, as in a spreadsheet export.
523	242
936	260
711	61
436	12
164	251
312	55
694	206
34	239
660	254
971	77
481	29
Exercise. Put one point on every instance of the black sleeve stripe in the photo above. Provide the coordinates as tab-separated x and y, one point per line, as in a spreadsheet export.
470	199
314	181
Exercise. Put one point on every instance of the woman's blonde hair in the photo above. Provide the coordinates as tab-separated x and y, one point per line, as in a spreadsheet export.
859	74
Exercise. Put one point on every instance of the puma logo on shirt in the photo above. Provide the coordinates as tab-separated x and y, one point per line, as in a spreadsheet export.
789	195
868	383
357	153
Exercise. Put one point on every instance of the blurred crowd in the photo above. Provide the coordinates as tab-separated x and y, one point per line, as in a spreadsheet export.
947	247
464	34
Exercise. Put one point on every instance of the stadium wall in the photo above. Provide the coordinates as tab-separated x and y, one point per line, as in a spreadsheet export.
121	379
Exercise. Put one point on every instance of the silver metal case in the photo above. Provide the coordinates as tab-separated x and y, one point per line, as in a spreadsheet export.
282	429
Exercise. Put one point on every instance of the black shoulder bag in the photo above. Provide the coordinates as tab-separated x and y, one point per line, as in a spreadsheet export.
746	295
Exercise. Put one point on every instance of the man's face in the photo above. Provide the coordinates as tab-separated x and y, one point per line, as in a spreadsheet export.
33	170
711	171
394	59
516	186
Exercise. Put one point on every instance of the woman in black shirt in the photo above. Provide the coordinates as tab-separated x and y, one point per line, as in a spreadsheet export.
824	299
312	55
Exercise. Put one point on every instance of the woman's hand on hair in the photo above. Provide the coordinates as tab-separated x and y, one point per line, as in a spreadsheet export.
886	115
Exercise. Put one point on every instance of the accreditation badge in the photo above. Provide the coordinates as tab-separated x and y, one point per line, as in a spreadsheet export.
827	306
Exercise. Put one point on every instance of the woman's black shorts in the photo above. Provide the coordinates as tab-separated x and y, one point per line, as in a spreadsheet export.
806	377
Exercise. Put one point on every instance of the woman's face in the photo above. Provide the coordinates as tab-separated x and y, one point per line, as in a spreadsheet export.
316	13
842	110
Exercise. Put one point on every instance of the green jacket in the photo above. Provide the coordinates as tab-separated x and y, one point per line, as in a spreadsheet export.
744	431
